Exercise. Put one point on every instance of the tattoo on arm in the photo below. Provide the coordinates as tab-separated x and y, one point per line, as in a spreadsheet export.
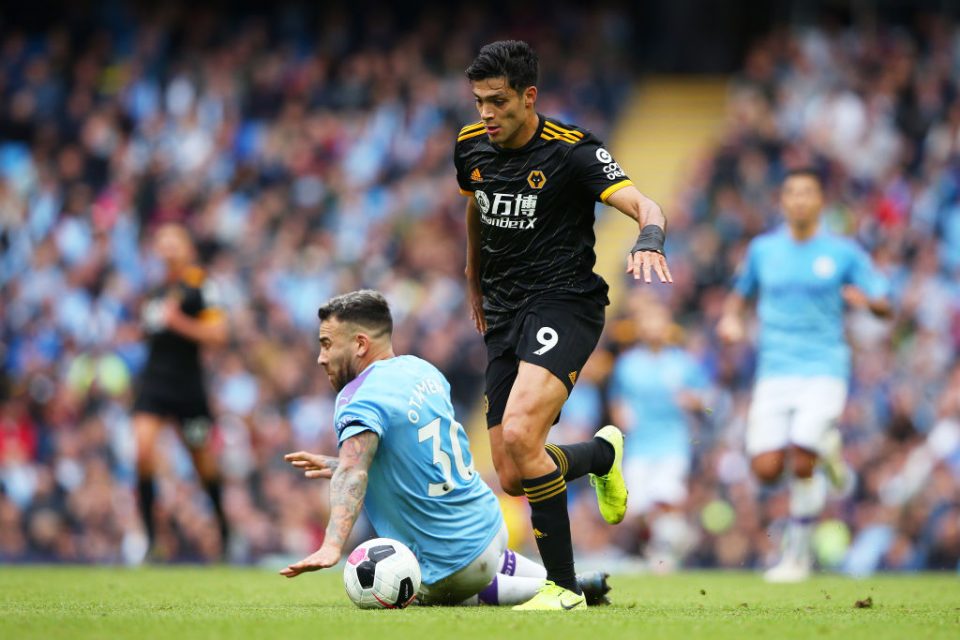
330	462
349	485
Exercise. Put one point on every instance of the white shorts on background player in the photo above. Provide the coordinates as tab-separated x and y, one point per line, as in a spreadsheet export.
793	410
470	580
652	481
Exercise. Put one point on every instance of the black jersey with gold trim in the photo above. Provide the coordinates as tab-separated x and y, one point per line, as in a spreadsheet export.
174	360
536	212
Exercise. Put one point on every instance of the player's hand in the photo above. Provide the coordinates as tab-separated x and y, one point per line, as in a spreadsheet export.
730	329
155	316
172	313
320	559
643	262
855	297
689	401
475	299
314	465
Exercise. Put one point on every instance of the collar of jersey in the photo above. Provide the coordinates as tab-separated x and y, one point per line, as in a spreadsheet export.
530	143
820	232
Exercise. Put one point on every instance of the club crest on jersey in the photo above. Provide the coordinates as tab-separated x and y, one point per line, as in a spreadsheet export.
536	179
824	267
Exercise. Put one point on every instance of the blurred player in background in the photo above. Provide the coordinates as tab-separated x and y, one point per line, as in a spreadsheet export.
179	318
533	183
803	277
407	461
655	412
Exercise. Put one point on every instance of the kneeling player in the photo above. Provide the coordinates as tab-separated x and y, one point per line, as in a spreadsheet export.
406	459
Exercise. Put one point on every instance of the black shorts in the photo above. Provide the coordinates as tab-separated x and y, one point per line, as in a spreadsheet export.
189	411
556	334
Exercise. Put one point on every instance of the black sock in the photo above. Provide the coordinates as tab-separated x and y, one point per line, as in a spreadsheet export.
215	490
145	494
547	496
576	460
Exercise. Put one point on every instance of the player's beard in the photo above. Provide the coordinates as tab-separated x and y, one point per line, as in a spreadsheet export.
341	376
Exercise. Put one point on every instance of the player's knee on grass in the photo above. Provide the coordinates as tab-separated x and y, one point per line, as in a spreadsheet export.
767	466
804	462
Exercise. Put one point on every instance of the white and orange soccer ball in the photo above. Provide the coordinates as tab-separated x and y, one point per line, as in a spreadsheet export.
382	574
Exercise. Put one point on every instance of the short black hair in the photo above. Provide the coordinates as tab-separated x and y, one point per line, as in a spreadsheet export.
806	172
366	308
510	59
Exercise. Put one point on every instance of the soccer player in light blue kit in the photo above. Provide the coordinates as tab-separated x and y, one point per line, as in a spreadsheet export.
405	458
803	277
655	412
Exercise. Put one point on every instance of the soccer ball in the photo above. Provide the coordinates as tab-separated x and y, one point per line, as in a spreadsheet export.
382	574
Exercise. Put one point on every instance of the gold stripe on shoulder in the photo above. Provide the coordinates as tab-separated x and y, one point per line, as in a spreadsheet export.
552	131
612	189
472	134
563	130
548	134
211	314
193	276
471	127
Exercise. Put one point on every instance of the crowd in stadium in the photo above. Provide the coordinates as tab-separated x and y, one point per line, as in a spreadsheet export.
311	163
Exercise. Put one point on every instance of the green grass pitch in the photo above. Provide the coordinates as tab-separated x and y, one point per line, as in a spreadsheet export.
223	602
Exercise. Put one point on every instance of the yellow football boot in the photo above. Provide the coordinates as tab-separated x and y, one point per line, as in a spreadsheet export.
553	597
612	488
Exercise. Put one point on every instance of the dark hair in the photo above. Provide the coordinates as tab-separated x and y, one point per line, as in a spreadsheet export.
805	172
510	59
366	308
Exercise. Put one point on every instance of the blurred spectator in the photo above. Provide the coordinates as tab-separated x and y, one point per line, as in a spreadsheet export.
655	389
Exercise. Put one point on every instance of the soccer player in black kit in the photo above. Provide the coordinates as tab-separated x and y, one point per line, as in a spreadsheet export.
533	183
179	317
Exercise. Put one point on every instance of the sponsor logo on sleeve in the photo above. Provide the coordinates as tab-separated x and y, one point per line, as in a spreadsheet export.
611	168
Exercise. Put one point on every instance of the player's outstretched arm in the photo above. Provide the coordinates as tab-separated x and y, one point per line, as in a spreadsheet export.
730	328
211	330
858	299
314	465
348	487
647	254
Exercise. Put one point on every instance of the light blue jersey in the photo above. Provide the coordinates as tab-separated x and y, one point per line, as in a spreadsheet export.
648	383
799	285
422	489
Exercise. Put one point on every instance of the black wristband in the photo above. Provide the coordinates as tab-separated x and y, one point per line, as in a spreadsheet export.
651	239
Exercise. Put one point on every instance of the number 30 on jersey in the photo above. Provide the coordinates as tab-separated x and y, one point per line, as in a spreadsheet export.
432	433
